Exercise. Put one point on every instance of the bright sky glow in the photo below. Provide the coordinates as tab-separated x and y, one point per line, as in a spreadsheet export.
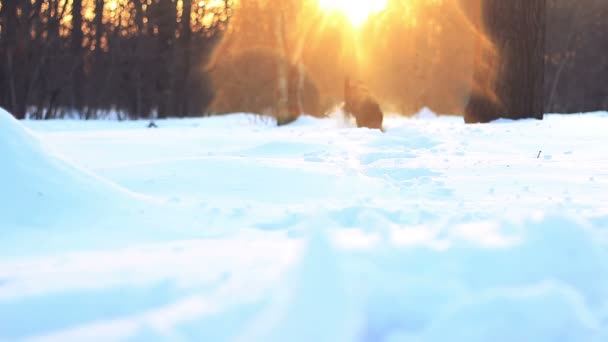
357	11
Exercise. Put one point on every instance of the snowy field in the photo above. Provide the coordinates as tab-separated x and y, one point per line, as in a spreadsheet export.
231	229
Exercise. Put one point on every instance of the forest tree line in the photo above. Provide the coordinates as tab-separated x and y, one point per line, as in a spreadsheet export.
90	57
161	58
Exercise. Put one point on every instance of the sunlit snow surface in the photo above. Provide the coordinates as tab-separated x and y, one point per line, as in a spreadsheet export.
231	229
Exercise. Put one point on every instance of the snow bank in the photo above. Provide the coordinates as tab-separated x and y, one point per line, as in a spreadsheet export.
39	188
316	231
244	120
547	282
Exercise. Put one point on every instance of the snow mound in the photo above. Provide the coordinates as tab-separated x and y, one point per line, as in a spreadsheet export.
316	301
334	120
432	231
425	114
544	281
40	188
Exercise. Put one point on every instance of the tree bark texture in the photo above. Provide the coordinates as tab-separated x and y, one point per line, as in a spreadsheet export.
517	28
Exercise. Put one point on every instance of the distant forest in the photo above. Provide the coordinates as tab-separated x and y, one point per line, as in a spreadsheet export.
94	56
157	58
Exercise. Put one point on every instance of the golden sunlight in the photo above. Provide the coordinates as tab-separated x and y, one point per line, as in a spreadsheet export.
357	11
113	5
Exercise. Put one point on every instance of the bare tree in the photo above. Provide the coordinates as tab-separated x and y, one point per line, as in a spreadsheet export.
9	45
185	41
282	29
282	109
165	21
77	54
517	27
577	36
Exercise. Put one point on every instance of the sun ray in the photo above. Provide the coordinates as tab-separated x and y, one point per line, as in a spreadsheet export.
357	11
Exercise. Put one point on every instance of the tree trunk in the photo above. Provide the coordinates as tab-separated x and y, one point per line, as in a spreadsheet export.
137	110
295	89
93	101
9	45
77	35
54	22
282	110
77	54
185	46
517	28
98	24
166	21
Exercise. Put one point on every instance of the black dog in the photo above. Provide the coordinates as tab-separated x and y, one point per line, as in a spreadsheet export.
359	103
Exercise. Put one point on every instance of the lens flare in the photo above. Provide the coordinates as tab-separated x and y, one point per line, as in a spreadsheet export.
357	11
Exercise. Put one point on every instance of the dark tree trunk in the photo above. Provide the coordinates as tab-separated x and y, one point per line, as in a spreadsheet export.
139	15
93	101
165	16
54	21
295	85
137	110
517	28
9	47
183	95
77	35
77	40
98	24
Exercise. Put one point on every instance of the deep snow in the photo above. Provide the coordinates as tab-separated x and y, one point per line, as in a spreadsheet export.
230	229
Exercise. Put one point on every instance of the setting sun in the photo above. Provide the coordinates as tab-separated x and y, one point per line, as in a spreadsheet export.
357	11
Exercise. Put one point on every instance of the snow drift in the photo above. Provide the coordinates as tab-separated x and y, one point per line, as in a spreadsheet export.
40	189
315	231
